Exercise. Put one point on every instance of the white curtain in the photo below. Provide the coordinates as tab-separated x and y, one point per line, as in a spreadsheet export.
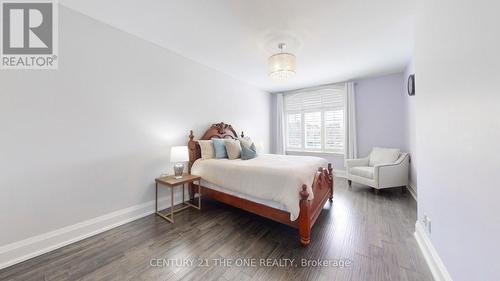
351	150
280	125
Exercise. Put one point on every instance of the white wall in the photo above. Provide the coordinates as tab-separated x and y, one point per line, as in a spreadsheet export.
89	138
458	133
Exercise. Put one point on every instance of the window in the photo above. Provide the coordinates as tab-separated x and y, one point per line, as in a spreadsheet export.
294	129
312	124
315	120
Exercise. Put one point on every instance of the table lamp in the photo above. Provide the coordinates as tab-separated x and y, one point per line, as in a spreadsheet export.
179	155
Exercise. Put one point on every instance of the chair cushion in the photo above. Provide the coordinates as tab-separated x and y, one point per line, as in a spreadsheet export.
383	156
362	171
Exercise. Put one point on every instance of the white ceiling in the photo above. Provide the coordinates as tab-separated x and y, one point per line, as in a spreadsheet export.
334	40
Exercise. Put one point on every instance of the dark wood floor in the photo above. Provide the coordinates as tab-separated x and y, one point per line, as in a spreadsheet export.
373	232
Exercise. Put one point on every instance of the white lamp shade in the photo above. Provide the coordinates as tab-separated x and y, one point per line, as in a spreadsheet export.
281	66
179	154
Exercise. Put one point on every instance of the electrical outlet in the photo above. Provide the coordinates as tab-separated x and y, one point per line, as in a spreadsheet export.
427	224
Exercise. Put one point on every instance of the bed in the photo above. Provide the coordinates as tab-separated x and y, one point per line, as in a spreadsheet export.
287	189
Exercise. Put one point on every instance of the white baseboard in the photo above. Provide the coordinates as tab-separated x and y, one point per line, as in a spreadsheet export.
436	266
412	190
339	173
20	251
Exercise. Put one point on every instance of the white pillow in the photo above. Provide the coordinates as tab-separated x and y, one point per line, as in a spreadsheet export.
383	156
233	148
207	149
246	142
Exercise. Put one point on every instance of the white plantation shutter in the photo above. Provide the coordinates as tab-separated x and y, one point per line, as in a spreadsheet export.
319	99
312	124
315	119
334	130
294	130
293	102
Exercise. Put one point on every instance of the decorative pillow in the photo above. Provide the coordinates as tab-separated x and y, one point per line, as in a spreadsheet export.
233	148
207	149
219	148
248	152
246	142
383	156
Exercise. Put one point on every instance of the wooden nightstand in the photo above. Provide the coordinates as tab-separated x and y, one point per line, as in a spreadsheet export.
172	182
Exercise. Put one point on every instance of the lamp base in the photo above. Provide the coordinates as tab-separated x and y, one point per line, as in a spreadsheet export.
178	170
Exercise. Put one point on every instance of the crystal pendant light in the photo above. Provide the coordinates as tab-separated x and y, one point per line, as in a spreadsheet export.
281	65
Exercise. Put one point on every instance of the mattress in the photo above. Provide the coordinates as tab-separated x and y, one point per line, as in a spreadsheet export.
268	177
269	203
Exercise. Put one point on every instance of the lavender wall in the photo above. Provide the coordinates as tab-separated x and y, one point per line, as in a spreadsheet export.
458	133
90	138
381	113
410	133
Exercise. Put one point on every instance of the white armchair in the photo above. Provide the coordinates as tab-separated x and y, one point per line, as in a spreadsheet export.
383	168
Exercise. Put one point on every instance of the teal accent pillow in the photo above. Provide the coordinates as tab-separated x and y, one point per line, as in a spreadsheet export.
248	152
220	148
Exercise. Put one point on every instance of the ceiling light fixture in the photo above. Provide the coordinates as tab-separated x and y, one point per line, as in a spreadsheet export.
281	65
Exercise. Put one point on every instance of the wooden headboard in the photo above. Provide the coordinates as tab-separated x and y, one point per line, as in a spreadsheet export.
220	130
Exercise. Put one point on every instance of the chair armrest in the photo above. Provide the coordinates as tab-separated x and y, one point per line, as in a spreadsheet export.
395	174
349	163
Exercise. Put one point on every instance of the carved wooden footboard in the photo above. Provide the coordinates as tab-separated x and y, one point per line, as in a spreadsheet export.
322	188
310	209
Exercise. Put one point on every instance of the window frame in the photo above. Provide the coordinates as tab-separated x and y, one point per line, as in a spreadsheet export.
322	111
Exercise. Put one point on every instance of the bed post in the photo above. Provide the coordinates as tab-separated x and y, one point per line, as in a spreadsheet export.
304	217
192	150
330	175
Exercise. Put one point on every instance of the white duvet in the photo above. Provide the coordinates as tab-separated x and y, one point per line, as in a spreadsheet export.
268	176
